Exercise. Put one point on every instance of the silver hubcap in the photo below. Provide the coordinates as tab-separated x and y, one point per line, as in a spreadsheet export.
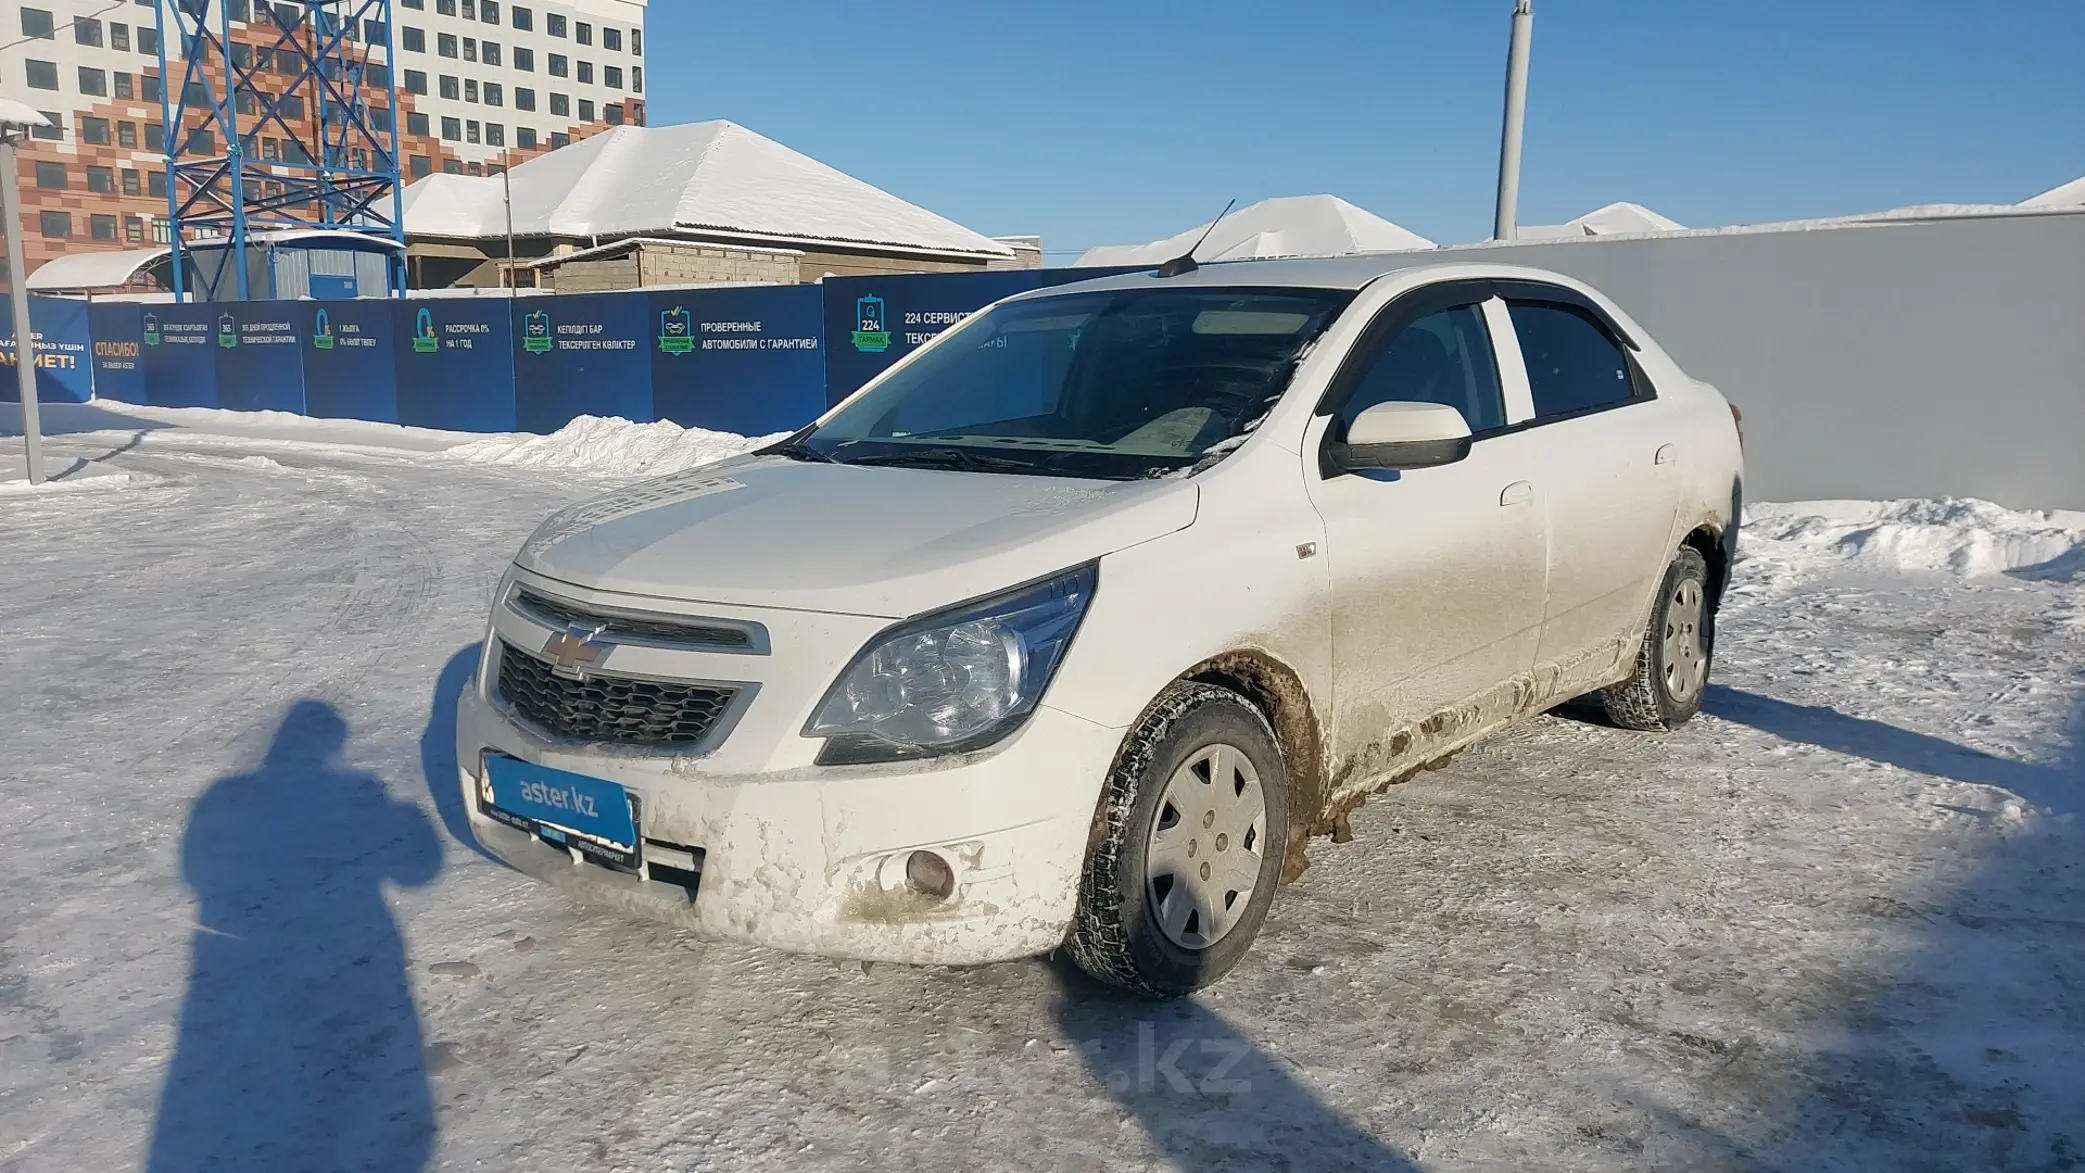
1203	860
1686	660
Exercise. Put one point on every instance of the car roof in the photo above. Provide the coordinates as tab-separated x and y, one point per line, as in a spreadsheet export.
1348	272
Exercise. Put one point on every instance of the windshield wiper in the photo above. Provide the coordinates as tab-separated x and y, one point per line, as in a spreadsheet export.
796	449
956	458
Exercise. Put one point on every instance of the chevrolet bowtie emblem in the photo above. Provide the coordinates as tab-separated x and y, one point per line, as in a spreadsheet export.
573	650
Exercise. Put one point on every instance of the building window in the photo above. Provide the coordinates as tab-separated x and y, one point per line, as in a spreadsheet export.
380	118
94	130
124	87
452	129
470	89
416	123
489	11
419	166
614	114
452	166
127	135
119	36
378	76
246	102
155	137
55	132
202	141
560	66
54	225
491	52
38	25
554	24
637	42
445	7
525	137
586	73
43	75
376	32
637	79
86	31
101	180
134	229
470	48
582	32
94	82
414	40
133	183
148	40
470	131
495	94
524	98
292	106
475	169
50	175
612	40
242	55
415	82
559	140
445	44
586	110
148	87
470	9
524	19
102	227
417	5
495	135
612	76
162	231
524	59
451	88
156	184
560	106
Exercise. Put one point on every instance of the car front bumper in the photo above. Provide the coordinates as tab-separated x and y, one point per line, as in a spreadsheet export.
812	860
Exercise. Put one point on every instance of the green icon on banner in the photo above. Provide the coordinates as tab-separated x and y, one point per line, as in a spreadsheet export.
535	333
424	341
151	329
227	332
322	332
869	335
677	331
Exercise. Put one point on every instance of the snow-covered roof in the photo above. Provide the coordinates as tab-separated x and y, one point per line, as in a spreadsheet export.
21	113
712	177
2063	195
629	243
1621	218
92	270
1287	226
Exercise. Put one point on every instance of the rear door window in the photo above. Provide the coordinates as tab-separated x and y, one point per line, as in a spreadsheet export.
1444	357
1574	365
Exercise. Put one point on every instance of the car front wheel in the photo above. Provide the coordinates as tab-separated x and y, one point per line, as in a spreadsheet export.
1672	666
1188	845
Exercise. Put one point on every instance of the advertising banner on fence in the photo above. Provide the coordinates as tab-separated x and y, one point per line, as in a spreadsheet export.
118	331
582	354
743	360
180	345
456	362
63	372
260	365
872	322
350	367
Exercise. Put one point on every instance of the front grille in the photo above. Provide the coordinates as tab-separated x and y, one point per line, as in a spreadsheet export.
693	634
613	709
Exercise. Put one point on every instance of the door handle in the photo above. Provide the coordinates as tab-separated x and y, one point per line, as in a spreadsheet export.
1666	454
1517	493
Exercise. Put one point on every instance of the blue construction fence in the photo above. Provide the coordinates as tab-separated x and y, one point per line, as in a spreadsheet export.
747	359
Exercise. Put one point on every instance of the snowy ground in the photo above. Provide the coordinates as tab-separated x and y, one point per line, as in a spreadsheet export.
1836	924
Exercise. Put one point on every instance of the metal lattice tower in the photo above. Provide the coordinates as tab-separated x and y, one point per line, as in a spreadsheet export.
303	74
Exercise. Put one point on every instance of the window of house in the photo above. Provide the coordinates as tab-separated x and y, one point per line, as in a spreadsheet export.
612	40
95	130
420	5
242	55
475	168
413	40
470	131
134	229
94	82
495	94
554	24
586	73
37	23
43	75
54	225
586	110
271	149
452	166
292	107
376	32
416	123
240	9
560	106
50	175
452	129
419	166
102	227
445	7
445	44
119	36
637	79
637	41
155	137
582	32
612	76
524	19
86	31
203	141
614	114
378	76
470	9
380	118
470	89
415	82
525	137
148	87
127	134
559	140
470	48
489	11
524	98
524	59
101	180
55	132
156	183
133	183
560	66
491	52
495	135
1574	365
245	102
452	89
125	88
148	40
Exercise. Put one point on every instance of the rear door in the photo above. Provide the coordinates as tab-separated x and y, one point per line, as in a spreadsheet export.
1436	573
1606	455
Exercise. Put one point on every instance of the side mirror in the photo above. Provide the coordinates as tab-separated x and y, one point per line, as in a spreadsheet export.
1399	435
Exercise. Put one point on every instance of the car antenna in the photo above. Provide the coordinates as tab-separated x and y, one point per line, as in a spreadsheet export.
1185	262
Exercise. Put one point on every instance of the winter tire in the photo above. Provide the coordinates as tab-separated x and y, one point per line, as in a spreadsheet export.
1187	845
1672	667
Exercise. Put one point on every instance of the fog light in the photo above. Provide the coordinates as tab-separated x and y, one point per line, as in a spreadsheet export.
929	875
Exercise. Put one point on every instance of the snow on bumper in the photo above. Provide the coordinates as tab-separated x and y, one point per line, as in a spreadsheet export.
813	860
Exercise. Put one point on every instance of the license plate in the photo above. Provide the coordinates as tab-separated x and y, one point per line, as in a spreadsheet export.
558	800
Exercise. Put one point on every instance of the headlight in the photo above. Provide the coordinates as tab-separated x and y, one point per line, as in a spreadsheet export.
955	680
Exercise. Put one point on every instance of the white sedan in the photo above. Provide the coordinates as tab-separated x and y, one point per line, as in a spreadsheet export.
1074	626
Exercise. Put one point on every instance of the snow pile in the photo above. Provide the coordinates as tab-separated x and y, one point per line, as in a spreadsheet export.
610	446
1959	536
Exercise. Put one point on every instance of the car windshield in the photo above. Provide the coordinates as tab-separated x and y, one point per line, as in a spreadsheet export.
1112	385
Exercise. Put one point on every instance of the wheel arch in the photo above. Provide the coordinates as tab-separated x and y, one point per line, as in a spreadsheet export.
1278	692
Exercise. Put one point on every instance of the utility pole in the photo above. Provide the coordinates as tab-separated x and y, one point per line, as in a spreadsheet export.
507	190
15	121
1504	223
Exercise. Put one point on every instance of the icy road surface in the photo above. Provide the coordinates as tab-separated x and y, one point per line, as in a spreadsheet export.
1839	923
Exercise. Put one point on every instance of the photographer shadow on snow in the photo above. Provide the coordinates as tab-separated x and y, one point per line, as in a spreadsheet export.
299	1046
1204	1094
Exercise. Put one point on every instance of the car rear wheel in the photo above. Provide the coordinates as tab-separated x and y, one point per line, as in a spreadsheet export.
1187	848
1672	666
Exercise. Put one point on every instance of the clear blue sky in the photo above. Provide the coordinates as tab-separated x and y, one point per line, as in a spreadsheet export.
1113	122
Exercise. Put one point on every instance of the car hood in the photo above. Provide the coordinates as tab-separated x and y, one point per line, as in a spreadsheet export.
769	531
